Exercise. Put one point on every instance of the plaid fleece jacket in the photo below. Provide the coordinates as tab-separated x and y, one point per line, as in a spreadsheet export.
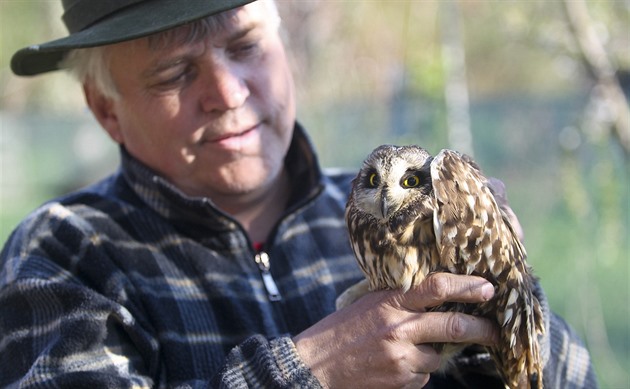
131	284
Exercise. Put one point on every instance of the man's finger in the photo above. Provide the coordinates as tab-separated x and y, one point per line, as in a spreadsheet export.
439	288
451	327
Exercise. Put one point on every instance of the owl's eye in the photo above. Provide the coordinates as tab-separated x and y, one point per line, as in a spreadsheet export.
411	182
373	180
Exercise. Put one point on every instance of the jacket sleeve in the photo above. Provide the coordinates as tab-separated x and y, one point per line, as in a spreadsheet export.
61	330
56	331
569	365
567	361
262	363
59	334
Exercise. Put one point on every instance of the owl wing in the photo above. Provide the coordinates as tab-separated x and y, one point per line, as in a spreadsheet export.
474	236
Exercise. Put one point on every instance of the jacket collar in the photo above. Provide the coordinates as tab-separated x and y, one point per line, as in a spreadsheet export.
170	202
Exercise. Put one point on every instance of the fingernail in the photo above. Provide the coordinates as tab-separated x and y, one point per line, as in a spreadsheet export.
487	291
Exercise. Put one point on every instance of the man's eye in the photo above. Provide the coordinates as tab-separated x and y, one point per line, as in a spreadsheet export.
176	80
245	50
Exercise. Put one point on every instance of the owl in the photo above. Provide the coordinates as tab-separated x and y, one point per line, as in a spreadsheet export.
410	214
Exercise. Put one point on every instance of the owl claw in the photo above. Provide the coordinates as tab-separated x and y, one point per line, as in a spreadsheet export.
352	294
533	381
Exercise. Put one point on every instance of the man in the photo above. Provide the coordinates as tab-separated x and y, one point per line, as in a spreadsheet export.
213	257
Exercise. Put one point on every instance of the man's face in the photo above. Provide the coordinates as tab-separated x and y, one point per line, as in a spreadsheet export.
214	117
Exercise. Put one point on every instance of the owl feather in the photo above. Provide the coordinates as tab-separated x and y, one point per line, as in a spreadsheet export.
410	215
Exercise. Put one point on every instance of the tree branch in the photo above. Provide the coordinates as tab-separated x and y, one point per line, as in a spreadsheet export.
601	68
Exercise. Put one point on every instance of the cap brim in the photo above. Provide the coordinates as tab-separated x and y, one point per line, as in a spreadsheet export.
134	22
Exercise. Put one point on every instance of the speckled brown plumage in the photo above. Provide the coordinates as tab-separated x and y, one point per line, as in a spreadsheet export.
410	214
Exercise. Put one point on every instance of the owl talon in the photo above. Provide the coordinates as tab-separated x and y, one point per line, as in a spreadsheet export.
533	381
352	294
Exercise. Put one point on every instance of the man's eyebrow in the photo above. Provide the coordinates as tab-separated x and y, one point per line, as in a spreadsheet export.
165	64
242	31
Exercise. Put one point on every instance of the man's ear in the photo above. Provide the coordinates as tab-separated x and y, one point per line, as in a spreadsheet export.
103	109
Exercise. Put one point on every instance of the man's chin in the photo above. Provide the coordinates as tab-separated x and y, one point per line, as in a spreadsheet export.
244	182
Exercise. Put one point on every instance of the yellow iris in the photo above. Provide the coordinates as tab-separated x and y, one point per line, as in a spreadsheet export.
373	179
411	182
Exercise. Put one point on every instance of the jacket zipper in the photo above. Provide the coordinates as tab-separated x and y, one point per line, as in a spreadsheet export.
262	260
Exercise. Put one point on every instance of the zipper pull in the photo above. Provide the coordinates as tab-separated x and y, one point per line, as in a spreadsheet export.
262	259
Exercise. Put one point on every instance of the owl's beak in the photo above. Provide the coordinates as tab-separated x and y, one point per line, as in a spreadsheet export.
384	204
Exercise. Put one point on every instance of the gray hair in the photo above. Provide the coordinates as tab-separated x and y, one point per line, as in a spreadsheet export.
93	63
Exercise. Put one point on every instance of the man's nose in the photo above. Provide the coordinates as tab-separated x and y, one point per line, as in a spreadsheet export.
223	87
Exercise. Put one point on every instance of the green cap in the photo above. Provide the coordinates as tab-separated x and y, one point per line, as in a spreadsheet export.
101	22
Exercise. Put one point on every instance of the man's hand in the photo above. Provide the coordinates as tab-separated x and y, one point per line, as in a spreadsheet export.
380	341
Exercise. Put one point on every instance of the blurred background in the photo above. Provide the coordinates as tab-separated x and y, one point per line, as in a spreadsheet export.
537	91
